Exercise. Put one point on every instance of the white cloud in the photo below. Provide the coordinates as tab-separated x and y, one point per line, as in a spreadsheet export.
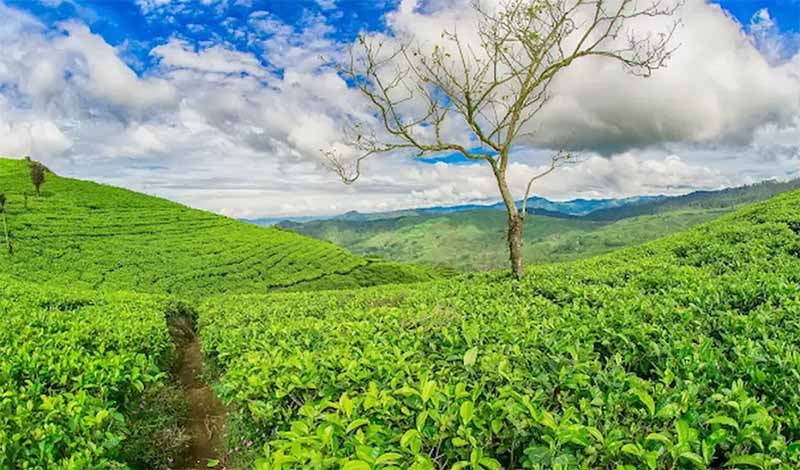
216	59
236	132
718	87
776	46
326	4
34	137
99	72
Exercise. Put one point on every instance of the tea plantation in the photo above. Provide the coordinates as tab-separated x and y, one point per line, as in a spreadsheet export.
82	380
683	353
680	354
88	235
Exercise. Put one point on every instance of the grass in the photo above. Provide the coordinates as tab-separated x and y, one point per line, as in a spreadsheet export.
84	380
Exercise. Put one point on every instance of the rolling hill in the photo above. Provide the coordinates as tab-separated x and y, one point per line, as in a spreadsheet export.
700	200
681	353
474	239
93	236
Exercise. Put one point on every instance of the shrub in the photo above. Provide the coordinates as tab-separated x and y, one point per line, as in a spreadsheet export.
38	173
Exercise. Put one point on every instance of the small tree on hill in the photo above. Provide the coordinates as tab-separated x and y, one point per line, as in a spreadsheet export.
492	84
38	172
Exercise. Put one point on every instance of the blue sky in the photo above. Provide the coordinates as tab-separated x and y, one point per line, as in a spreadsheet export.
138	28
225	105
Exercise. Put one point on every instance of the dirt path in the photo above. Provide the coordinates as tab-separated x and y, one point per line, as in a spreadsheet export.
206	413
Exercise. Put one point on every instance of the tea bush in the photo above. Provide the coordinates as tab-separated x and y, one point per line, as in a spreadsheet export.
680	354
93	236
74	368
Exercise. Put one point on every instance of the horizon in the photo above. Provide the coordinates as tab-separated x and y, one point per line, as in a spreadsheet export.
224	106
483	203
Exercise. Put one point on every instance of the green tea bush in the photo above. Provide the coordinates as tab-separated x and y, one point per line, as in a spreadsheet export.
94	236
680	354
77	372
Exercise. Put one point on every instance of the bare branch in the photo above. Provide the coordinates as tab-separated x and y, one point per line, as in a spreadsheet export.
558	160
493	85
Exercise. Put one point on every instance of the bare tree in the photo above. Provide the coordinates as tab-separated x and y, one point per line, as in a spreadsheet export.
492	84
38	172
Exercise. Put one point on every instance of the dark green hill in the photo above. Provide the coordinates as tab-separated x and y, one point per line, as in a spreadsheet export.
89	235
701	200
474	240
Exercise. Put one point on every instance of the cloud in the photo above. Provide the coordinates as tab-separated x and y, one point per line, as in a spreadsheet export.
718	86
237	125
326	4
33	137
179	54
776	46
95	67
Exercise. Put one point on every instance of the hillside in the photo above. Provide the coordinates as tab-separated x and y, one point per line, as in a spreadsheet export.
574	207
473	240
721	199
678	354
89	235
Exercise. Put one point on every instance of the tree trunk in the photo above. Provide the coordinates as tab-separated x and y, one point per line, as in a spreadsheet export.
516	224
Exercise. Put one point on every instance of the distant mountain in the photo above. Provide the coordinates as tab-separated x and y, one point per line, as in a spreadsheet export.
471	237
723	198
574	207
581	207
270	221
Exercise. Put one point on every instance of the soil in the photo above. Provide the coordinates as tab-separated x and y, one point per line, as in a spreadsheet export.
206	420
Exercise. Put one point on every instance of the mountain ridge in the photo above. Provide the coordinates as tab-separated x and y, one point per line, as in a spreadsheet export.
474	239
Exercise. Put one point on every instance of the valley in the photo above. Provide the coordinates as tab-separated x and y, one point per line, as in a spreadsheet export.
470	238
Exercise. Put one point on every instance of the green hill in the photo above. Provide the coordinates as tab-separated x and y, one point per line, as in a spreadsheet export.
89	235
683	353
701	200
474	240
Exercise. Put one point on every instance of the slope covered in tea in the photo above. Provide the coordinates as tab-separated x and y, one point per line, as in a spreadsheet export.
89	235
683	353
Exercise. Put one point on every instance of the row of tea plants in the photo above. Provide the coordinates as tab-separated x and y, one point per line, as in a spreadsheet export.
82	381
680	354
80	233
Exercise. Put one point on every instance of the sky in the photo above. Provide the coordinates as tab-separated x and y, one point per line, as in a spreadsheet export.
226	105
